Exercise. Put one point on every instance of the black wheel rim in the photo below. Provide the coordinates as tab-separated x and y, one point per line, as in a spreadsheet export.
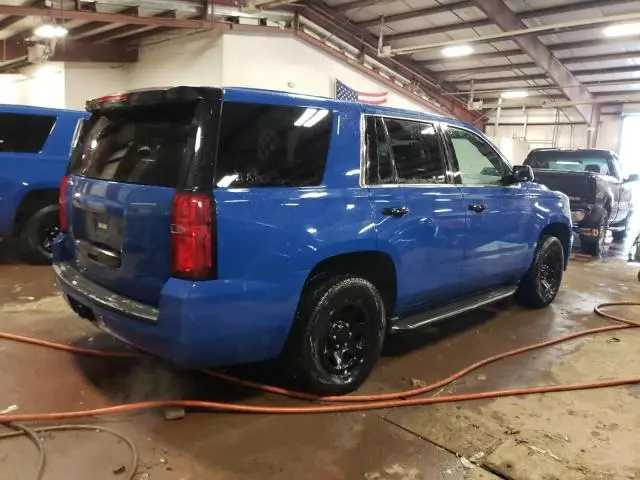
48	236
347	341
550	271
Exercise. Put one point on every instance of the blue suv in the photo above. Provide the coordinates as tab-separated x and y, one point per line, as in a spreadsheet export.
35	144
222	226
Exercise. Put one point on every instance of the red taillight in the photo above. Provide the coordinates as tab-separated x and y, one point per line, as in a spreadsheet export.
62	202
191	236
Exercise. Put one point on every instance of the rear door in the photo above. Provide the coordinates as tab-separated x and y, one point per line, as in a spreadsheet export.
419	214
500	218
124	175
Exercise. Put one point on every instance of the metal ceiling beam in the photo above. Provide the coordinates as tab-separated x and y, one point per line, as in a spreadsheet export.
140	34
421	12
90	26
359	4
448	28
469	72
71	51
507	20
537	13
101	17
476	56
124	29
541	76
540	88
554	47
13	19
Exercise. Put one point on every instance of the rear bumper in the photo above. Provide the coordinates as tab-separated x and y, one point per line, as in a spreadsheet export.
196	324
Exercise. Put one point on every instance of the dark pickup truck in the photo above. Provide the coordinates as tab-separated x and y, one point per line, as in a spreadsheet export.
601	195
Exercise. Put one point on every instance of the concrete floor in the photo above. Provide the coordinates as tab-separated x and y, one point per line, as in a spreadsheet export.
576	435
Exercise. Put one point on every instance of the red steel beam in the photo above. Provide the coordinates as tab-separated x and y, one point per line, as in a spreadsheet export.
124	29
102	17
90	26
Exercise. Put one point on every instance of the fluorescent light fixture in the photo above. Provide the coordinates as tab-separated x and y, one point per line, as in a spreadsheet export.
49	30
515	94
457	51
622	30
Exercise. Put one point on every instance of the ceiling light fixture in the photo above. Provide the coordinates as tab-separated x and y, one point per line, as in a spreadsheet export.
48	30
622	30
457	51
515	94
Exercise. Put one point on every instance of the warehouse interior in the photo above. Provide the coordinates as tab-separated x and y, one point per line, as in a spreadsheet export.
529	74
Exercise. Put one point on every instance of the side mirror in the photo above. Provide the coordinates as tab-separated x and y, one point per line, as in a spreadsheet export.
634	177
522	173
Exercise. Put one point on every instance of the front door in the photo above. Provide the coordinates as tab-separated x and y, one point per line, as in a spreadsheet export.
418	213
500	217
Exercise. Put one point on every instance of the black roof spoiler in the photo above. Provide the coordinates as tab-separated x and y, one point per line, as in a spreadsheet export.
133	98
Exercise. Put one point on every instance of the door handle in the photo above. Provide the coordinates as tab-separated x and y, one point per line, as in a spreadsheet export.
395	211
478	208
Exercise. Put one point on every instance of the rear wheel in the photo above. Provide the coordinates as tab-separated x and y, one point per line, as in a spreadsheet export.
594	246
37	234
539	287
337	335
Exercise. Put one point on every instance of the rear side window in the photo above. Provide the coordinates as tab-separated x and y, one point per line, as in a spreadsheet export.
21	133
272	146
416	152
143	145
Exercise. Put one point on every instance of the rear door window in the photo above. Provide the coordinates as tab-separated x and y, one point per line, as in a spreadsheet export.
416	151
143	145
22	133
272	145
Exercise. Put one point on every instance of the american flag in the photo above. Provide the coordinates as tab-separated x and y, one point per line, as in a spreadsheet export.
350	95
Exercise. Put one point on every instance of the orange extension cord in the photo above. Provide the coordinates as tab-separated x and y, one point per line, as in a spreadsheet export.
352	402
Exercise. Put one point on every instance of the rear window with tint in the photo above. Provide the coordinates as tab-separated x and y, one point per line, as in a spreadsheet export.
142	145
272	146
22	133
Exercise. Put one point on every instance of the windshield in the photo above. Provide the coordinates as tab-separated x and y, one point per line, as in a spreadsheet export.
142	145
569	162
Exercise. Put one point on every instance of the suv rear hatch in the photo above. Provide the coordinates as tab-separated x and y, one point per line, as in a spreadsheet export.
136	154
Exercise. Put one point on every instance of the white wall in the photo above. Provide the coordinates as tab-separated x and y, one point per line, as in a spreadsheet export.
39	85
84	81
283	62
569	136
191	60
10	88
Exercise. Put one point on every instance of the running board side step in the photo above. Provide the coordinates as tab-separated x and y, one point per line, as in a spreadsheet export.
456	307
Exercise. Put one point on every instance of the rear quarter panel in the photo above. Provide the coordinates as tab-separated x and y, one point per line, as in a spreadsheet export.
21	173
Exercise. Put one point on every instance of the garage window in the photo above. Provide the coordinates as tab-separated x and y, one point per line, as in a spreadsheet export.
20	133
272	146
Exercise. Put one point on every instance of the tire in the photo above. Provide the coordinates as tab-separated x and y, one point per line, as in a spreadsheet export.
37	234
337	335
595	246
540	285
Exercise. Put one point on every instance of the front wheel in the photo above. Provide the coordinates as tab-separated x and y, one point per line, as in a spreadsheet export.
541	284
38	233
337	335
